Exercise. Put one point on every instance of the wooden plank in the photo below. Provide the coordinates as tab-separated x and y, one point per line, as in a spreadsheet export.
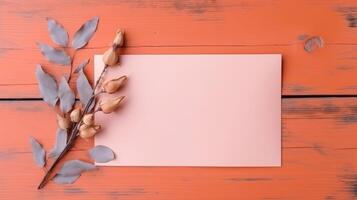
187	26
306	173
183	23
328	71
319	162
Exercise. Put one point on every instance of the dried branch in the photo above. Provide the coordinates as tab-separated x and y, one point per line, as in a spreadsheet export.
76	126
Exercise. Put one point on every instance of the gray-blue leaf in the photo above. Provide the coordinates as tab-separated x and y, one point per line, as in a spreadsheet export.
38	153
56	56
101	154
75	167
84	33
60	143
81	66
60	179
66	96
47	85
57	32
84	89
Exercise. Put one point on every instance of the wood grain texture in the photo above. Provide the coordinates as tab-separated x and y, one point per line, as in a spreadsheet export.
191	26
319	134
319	162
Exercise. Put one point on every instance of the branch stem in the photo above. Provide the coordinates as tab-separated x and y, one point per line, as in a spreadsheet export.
73	134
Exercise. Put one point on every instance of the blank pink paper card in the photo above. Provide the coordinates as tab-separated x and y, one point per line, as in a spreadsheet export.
207	110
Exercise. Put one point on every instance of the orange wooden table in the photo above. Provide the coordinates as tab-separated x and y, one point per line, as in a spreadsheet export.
319	94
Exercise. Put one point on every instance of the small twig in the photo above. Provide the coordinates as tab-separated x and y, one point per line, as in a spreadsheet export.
100	78
48	173
99	93
75	127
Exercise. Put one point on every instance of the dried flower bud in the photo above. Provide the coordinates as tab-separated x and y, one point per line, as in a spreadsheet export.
63	122
82	127
88	119
86	131
110	105
110	57
119	38
76	115
114	84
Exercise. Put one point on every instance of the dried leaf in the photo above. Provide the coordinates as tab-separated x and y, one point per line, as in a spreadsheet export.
60	179
81	66
312	43
101	154
60	143
84	89
47	85
38	153
57	32
75	167
66	96
84	33
56	56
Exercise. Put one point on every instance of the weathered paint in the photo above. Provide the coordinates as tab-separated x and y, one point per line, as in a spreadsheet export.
317	148
319	134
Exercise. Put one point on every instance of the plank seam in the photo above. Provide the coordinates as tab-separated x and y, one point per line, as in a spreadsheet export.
196	45
283	97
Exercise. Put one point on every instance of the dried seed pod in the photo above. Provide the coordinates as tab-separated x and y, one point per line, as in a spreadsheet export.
110	105
119	38
82	127
110	57
113	85
63	122
88	119
86	131
75	115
